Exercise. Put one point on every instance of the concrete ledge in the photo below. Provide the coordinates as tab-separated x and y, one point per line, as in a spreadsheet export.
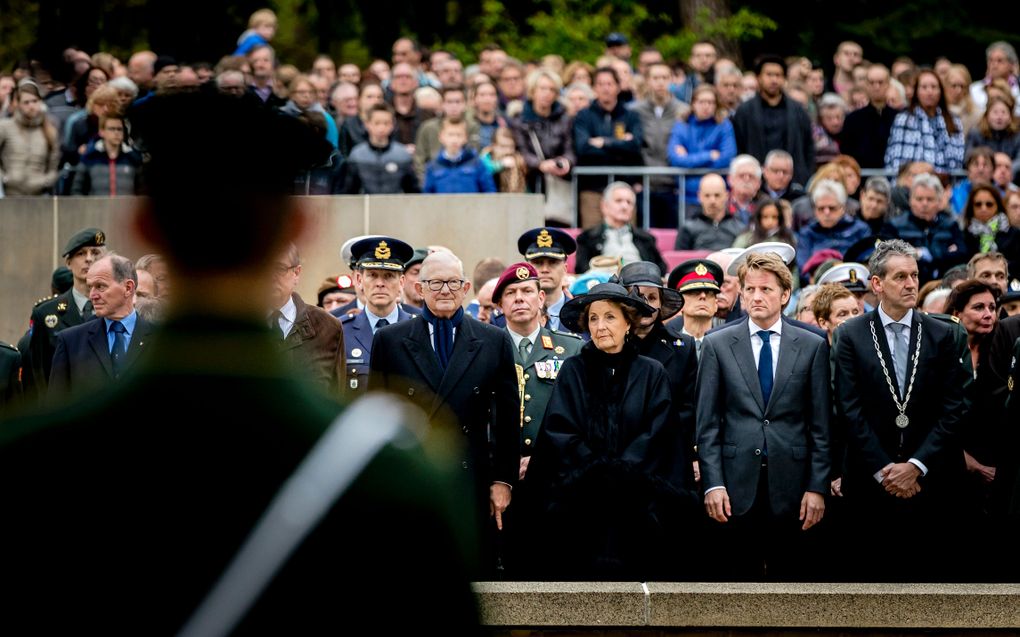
725	605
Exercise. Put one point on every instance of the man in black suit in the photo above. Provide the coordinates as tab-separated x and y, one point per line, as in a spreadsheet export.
899	390
461	372
155	485
70	308
763	431
91	355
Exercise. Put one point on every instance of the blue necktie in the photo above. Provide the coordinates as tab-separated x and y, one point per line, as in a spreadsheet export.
119	347
765	365
381	323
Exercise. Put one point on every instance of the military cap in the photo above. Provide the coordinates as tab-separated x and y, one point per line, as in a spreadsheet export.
648	274
345	250
696	275
340	282
1012	292
572	310
62	279
88	237
382	253
515	273
851	275
546	242
785	251
419	256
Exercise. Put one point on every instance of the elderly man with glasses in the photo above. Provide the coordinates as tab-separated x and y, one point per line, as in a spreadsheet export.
461	373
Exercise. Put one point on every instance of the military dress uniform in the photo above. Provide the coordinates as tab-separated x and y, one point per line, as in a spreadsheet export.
372	253
548	243
10	375
51	316
538	372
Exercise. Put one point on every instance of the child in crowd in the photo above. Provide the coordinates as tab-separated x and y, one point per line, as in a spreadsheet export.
504	162
458	168
261	29
378	166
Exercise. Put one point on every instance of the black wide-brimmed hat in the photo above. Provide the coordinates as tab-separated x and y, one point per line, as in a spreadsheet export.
647	274
573	309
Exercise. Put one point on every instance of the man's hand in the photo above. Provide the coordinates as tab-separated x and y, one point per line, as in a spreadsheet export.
836	487
900	480
597	142
524	466
697	471
812	508
717	503
499	500
680	150
987	473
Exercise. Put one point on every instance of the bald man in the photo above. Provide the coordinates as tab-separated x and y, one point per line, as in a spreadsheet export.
712	228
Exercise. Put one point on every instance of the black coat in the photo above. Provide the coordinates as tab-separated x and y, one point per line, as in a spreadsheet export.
678	355
750	134
61	312
154	485
591	241
476	396
598	466
866	134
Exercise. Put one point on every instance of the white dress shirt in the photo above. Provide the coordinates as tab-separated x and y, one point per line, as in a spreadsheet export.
288	314
757	341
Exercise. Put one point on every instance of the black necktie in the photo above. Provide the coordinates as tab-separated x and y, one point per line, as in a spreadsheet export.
87	311
119	347
381	323
765	365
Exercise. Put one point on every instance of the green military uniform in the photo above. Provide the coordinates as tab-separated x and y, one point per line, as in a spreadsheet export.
960	340
50	317
10	374
538	373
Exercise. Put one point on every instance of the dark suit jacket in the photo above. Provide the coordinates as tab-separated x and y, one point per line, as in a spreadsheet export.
358	343
477	393
590	242
734	424
315	345
82	360
868	413
160	507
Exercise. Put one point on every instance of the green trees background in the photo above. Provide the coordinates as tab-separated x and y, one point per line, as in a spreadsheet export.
356	31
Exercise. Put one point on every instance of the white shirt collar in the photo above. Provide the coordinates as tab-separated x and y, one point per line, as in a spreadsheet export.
533	337
907	319
776	328
79	299
289	310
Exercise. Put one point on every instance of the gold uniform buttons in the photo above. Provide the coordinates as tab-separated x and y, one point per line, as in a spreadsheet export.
527	419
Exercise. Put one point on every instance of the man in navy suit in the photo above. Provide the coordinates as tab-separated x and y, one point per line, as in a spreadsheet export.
91	355
379	272
763	430
461	372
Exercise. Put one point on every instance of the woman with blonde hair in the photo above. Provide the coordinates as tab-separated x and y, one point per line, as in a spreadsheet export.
578	72
958	96
29	145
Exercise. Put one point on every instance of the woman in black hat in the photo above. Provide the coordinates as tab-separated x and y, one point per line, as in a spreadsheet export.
600	454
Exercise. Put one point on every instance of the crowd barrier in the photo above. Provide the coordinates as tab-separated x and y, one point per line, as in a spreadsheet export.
34	231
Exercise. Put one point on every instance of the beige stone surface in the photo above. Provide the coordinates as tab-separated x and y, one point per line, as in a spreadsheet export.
33	232
605	604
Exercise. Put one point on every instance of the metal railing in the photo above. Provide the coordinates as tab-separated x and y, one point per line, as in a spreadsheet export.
647	172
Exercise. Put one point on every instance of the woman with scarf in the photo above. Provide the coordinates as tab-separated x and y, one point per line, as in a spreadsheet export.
986	227
927	131
601	457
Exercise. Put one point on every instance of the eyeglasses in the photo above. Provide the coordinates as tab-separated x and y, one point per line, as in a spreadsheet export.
984	204
437	284
279	269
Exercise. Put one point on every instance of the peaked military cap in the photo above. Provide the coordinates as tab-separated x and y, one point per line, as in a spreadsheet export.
546	242
695	275
851	275
382	253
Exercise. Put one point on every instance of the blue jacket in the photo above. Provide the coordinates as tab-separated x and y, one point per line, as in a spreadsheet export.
465	175
700	138
940	242
813	237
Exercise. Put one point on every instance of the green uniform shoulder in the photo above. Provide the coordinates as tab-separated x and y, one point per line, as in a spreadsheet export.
567	335
8	346
43	300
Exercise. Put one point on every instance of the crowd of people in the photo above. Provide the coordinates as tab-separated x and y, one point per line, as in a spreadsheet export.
830	363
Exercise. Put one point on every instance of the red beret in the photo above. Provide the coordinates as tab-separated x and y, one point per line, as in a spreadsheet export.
516	273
